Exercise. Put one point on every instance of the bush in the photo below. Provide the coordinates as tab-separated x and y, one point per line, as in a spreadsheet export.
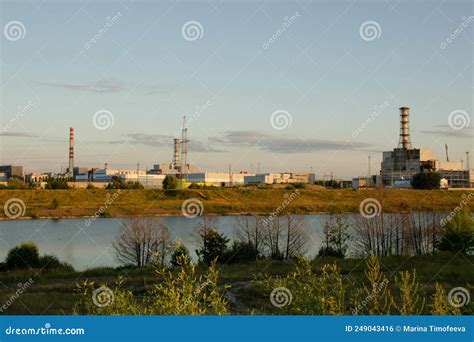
458	234
178	292
241	251
170	183
57	183
14	183
24	256
90	186
329	251
49	262
179	253
426	180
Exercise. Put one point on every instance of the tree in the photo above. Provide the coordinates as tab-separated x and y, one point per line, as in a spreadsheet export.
212	244
180	253
143	241
336	236
170	183
426	180
250	231
286	236
24	256
458	233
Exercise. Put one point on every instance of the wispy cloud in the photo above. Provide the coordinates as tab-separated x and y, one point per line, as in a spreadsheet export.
447	131
103	86
284	144
18	134
159	140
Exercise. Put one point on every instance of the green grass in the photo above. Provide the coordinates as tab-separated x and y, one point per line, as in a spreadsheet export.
314	199
54	292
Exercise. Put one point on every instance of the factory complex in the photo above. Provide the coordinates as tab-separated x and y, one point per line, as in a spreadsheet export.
397	169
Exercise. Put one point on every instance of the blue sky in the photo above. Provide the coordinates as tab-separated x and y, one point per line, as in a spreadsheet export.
319	70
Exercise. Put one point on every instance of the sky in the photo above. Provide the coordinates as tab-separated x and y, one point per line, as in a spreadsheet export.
266	85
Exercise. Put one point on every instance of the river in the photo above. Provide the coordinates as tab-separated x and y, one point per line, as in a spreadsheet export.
88	246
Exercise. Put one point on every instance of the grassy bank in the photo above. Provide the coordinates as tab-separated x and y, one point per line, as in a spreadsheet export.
55	292
314	199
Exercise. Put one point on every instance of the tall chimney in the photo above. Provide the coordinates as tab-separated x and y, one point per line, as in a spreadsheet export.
176	152
404	128
184	150
71	152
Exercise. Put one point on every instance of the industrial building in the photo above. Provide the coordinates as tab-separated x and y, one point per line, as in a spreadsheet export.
278	178
9	171
400	165
149	181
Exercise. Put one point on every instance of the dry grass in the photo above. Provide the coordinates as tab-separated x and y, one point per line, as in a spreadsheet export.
83	202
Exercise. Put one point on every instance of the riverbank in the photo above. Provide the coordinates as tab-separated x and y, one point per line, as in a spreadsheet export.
54	292
230	201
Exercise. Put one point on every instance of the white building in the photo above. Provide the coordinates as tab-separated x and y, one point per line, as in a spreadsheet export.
217	178
149	181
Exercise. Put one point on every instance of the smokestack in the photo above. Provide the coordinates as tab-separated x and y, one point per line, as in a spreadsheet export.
184	150
404	128
71	151
176	152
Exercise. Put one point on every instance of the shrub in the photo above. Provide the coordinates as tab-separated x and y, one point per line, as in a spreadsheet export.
57	183
241	251
14	183
170	183
179	253
178	293
24	256
49	262
458	234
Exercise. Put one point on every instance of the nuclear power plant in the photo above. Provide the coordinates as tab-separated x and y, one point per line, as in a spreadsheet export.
402	163
398	168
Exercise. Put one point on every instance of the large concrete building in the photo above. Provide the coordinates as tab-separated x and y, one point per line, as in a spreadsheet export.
149	181
402	163
10	171
278	178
